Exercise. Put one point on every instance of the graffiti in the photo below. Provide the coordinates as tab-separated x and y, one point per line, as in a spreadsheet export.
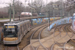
70	20
61	21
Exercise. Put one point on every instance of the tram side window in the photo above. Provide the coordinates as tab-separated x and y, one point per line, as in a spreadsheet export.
25	27
21	29
28	24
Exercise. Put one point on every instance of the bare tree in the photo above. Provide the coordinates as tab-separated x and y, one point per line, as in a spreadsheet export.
18	7
55	8
70	6
37	5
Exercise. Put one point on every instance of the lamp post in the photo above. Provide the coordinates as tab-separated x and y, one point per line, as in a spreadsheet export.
49	19
31	10
13	11
53	10
10	12
31	16
19	16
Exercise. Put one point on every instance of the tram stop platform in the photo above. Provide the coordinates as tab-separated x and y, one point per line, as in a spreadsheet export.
54	41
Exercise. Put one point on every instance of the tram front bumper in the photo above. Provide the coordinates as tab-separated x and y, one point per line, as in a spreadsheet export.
11	42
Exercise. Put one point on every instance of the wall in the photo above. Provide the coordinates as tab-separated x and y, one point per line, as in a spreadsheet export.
61	21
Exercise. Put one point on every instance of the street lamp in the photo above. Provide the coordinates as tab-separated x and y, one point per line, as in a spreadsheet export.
13	11
19	16
31	10
10	12
49	18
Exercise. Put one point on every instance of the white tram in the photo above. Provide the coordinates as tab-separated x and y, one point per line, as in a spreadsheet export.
14	31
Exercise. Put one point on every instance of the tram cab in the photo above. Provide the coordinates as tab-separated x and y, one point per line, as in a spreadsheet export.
15	31
10	34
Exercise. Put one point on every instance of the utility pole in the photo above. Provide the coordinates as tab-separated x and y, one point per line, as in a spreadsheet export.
53	10
62	9
31	16
48	12
49	18
13	11
10	12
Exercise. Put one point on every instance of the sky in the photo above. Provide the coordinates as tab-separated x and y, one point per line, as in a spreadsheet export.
4	3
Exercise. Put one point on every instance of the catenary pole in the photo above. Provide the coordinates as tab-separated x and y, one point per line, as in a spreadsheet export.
13	11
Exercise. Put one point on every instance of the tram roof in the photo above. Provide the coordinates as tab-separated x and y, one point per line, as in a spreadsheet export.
16	22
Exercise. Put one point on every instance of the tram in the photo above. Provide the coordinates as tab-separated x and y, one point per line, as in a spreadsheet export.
14	31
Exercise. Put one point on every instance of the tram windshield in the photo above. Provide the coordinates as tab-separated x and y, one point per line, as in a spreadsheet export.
10	31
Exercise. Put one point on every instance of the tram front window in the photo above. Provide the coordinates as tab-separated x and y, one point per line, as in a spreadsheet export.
10	32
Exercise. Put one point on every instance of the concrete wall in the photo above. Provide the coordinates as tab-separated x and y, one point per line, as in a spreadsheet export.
61	21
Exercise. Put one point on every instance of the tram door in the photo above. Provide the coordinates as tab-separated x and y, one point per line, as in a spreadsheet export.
0	37
1	34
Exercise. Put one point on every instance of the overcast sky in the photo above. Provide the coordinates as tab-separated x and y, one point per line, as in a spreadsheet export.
2	2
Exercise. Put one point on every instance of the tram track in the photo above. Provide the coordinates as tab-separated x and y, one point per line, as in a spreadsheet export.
11	48
40	41
38	33
35	34
65	29
59	29
26	39
55	41
30	35
52	37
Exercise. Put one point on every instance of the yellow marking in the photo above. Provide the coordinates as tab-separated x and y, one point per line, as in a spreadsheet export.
10	39
35	23
10	27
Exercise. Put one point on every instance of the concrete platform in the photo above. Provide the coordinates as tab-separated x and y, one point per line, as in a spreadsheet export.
49	40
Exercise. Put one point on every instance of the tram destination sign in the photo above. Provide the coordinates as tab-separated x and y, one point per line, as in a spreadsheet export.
10	26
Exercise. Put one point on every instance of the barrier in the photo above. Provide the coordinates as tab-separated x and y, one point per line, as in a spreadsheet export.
41	20
61	21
